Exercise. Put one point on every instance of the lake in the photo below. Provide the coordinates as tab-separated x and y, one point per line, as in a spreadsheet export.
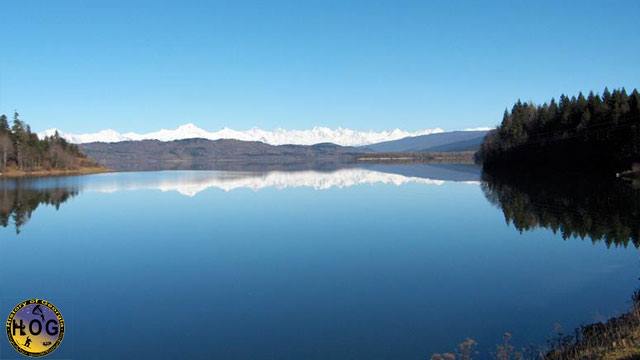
379	262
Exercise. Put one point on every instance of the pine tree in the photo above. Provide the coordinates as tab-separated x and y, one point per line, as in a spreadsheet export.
22	147
18	132
593	131
4	124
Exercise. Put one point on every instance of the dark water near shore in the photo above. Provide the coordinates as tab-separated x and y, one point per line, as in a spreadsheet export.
387	262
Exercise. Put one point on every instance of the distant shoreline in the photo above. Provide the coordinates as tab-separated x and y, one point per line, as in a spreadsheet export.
250	163
13	173
357	159
462	157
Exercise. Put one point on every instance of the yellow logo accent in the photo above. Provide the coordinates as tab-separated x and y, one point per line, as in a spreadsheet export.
35	327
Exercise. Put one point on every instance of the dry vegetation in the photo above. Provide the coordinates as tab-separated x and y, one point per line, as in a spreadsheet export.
22	153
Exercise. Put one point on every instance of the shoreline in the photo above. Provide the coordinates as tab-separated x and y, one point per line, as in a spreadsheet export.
13	174
458	157
381	158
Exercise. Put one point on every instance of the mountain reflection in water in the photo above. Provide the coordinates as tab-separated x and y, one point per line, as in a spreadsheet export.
600	209
403	260
20	197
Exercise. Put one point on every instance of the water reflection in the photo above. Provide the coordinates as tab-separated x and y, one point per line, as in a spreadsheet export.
385	256
18	201
601	209
20	197
190	183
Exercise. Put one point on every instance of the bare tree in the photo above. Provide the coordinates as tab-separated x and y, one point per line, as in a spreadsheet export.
6	147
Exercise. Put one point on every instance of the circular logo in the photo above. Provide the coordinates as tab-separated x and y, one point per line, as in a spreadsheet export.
35	327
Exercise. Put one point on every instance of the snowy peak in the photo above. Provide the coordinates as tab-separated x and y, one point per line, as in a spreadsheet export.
315	135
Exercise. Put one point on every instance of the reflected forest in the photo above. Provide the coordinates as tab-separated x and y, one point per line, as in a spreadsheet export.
601	209
18	202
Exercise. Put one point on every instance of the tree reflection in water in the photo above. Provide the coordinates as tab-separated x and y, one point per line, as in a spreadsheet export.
584	206
18	201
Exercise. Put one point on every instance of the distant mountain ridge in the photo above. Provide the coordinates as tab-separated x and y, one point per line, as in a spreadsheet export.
230	154
215	154
440	142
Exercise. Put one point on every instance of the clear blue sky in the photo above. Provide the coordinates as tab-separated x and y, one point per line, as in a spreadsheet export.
142	65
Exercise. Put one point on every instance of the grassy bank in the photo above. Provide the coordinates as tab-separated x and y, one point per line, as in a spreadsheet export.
15	173
617	338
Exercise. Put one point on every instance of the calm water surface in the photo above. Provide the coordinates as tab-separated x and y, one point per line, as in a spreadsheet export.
389	262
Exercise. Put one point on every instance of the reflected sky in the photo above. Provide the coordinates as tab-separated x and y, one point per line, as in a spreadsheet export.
20	197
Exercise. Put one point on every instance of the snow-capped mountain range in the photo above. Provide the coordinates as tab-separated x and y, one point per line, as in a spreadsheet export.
340	136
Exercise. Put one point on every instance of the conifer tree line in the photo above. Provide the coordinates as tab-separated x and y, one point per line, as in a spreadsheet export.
21	149
590	132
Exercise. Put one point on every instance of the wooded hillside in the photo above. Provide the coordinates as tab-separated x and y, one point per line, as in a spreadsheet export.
22	150
592	133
